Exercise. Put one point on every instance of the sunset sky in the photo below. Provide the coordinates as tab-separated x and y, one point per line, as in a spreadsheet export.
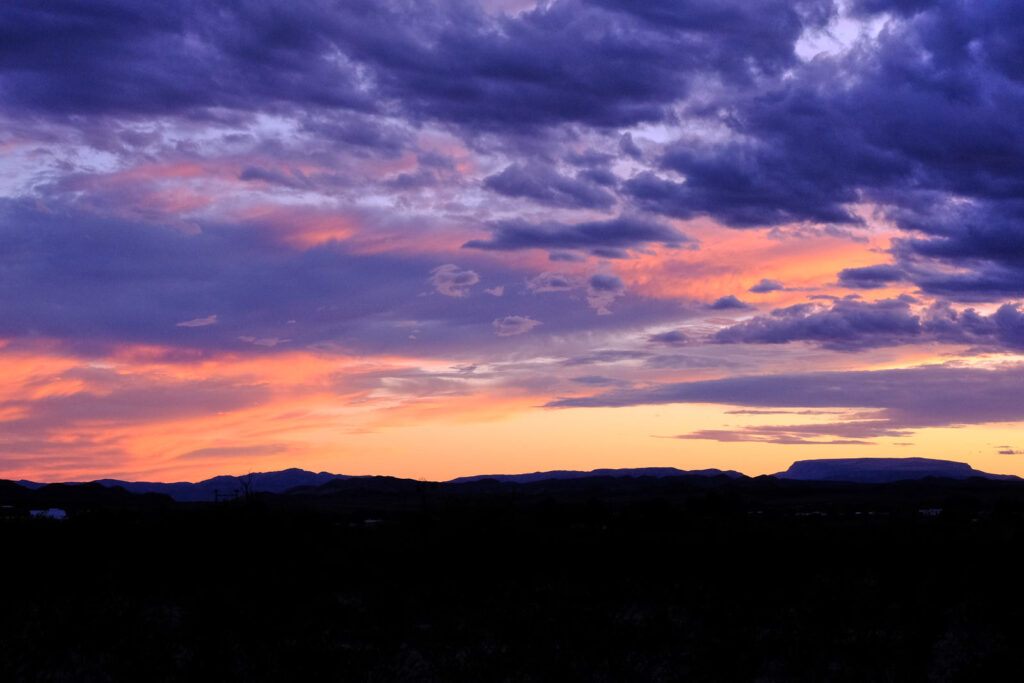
432	239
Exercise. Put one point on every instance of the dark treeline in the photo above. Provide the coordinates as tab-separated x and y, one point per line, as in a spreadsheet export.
676	579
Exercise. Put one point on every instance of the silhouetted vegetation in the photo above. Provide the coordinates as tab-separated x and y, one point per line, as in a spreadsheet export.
601	579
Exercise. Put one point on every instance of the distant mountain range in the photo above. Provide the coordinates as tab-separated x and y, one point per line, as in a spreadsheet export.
224	485
302	482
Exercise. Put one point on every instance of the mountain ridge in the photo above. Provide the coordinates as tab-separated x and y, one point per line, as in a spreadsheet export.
862	470
603	472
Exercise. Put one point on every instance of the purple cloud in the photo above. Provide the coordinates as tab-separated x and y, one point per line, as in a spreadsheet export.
451	280
766	285
602	290
512	325
545	186
898	400
729	303
851	325
870	277
618	235
671	338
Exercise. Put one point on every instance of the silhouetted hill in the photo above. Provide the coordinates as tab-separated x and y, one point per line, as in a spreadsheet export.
880	470
385	485
578	474
378	496
76	497
259	482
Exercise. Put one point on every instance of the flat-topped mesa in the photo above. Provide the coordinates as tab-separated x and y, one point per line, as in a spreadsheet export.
878	470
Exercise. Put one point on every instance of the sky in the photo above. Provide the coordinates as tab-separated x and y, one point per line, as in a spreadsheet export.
431	238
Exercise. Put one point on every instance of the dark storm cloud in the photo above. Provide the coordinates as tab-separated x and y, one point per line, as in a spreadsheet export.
747	187
606	283
122	58
984	240
628	147
870	277
599	176
590	159
851	325
546	186
901	7
295	179
617	234
363	135
602	64
899	400
923	119
847	326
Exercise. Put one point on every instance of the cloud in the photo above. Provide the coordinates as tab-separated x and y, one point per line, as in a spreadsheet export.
512	325
548	282
922	117
199	322
295	179
596	381
545	186
598	237
177	57
606	283
218	452
671	338
603	356
566	257
602	290
898	400
847	326
851	325
268	342
451	280
774	435
766	285
115	398
93	282
629	147
964	251
870	277
729	303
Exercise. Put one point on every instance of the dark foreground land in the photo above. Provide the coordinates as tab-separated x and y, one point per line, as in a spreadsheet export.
680	579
